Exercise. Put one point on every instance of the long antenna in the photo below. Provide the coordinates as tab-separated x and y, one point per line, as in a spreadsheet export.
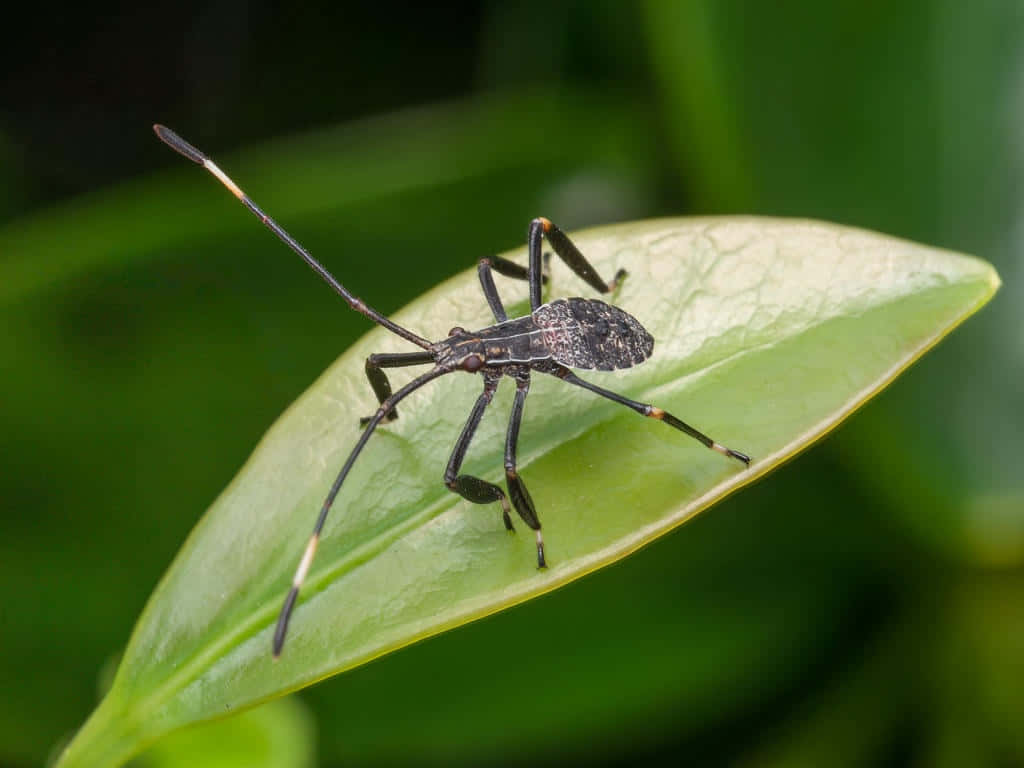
179	145
307	558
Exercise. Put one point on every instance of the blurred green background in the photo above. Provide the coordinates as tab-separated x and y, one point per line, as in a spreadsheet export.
864	605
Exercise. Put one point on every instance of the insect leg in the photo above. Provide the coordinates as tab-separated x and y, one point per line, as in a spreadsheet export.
508	269
569	253
516	489
654	412
468	487
379	380
307	558
483	270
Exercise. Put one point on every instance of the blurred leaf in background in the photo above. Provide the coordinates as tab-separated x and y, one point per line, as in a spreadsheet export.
876	581
920	138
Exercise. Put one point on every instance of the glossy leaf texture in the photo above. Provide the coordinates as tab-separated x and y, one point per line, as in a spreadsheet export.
768	333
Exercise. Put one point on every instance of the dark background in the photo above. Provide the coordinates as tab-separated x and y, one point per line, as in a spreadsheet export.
862	606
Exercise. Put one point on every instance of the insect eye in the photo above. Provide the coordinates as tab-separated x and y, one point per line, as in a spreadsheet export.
473	363
458	329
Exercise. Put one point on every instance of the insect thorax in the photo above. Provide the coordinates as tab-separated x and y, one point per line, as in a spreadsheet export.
589	334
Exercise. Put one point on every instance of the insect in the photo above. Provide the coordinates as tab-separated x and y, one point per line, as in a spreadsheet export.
553	339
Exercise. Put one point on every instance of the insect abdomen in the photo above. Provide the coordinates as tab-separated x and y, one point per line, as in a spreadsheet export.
589	334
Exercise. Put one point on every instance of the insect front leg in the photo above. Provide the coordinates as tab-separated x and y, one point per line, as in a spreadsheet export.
516	488
467	486
568	252
379	380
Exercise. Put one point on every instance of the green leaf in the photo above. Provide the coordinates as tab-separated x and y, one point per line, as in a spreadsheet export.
768	333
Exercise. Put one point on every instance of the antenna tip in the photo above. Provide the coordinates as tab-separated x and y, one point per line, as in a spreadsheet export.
178	144
740	456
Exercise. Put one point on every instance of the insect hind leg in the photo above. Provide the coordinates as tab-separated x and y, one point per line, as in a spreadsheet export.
653	412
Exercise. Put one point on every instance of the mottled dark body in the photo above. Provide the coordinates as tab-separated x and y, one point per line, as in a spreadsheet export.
554	337
589	334
578	333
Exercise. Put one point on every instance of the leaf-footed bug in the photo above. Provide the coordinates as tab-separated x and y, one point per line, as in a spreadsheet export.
555	337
